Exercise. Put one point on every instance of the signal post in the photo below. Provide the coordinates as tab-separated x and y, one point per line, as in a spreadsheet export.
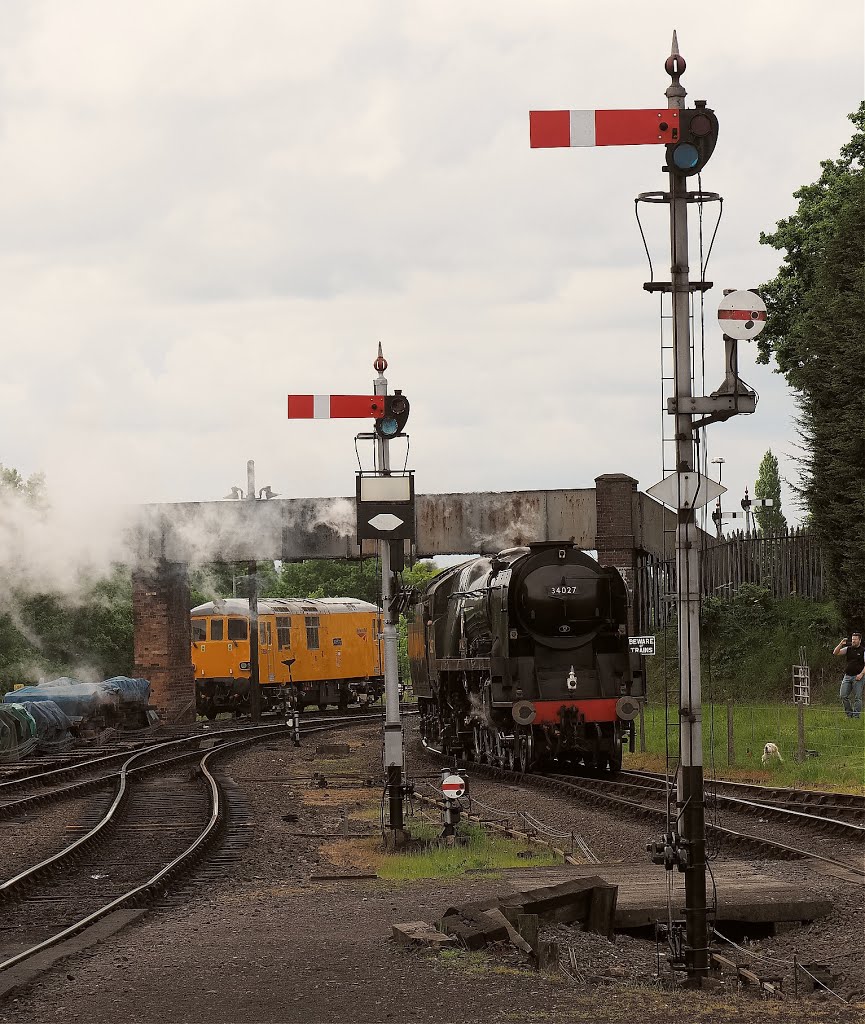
689	136
385	513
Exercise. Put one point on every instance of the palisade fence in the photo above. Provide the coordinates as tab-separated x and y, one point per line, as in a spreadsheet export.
786	564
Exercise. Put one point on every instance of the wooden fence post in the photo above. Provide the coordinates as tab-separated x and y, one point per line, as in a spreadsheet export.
731	745
800	731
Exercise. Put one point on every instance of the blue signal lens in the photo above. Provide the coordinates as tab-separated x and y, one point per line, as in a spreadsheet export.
685	156
388	427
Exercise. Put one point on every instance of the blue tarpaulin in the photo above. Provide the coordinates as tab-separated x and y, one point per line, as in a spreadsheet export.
79	700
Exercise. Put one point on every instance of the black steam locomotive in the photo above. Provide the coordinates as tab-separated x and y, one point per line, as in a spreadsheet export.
521	660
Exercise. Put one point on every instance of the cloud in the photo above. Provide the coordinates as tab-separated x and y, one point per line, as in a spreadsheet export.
206	208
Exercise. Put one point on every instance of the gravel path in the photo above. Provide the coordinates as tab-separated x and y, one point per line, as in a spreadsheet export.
29	838
270	946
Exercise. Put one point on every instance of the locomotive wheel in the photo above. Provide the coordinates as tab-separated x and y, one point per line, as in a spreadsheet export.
485	757
497	753
525	751
510	758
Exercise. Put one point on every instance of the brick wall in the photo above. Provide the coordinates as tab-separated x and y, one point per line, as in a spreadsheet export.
160	614
616	503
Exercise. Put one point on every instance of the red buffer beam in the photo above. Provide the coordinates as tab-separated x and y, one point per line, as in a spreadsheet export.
331	407
552	129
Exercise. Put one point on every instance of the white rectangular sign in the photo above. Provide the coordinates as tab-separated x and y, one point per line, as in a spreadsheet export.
642	645
385	488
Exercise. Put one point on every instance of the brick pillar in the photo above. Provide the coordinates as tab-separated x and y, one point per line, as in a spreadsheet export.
163	639
616	502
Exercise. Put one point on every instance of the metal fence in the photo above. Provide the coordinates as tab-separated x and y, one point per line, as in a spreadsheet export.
787	564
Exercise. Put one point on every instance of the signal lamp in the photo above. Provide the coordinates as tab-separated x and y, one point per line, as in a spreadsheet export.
698	133
396	410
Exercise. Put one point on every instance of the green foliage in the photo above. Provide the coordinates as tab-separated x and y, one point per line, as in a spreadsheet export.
816	307
770	521
44	635
750	644
231	579
329	578
31	489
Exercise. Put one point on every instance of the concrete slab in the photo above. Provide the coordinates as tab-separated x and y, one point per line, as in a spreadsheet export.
744	893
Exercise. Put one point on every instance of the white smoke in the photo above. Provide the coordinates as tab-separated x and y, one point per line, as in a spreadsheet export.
522	530
339	516
59	548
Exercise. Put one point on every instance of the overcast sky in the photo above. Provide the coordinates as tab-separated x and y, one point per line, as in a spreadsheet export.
206	205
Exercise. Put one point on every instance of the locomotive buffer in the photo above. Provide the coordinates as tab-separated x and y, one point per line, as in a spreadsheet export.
689	136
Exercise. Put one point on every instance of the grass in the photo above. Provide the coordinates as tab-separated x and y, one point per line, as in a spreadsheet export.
466	961
483	851
838	741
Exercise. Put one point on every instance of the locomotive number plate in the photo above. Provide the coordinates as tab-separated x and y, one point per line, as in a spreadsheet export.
563	590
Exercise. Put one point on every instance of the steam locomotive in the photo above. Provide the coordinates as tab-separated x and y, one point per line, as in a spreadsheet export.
522	660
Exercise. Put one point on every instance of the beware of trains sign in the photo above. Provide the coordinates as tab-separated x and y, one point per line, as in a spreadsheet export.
642	645
453	787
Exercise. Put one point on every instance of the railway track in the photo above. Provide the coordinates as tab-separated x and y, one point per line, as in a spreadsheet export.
836	818
161	818
846	807
26	792
650	801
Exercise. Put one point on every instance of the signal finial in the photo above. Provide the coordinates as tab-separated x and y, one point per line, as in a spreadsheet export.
380	364
675	64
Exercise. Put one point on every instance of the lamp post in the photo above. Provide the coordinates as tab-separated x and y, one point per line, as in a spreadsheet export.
252	575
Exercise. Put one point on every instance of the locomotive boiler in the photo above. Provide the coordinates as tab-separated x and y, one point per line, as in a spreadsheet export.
522	660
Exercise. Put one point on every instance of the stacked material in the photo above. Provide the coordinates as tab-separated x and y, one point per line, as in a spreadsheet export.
18	734
79	701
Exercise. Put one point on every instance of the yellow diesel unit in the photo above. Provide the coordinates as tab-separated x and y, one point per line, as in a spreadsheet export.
328	650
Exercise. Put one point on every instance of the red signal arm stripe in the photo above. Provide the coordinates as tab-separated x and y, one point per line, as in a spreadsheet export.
307	407
300	407
549	129
635	127
354	406
741	314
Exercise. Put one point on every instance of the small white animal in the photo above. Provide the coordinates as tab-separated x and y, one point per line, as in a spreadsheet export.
770	751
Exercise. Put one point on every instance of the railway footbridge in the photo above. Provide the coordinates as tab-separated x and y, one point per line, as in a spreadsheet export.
627	528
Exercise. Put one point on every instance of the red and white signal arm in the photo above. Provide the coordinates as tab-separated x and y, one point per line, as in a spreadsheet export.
332	407
453	787
742	315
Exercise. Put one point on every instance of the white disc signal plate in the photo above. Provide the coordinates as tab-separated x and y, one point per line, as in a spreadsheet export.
453	787
742	315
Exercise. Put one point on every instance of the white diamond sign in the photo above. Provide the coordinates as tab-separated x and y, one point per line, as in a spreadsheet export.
686	490
384	522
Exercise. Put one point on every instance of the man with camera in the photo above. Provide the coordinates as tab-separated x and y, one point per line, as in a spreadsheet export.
854	673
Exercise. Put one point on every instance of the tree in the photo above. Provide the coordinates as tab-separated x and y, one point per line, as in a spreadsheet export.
45	634
816	306
770	521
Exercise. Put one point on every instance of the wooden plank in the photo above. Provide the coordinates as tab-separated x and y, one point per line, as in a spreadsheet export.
743	893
